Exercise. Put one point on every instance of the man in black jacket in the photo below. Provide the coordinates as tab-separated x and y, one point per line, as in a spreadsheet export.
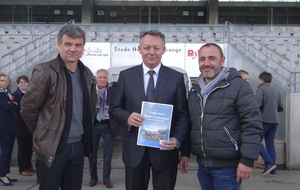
226	126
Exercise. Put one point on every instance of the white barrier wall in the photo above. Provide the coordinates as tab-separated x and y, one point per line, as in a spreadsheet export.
99	55
292	133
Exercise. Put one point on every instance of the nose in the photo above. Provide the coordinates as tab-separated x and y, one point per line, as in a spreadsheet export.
151	50
73	48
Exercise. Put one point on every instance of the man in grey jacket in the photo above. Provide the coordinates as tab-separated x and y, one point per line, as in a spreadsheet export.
226	126
270	103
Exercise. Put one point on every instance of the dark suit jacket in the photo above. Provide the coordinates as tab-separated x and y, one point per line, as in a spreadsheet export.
22	127
130	93
7	118
114	126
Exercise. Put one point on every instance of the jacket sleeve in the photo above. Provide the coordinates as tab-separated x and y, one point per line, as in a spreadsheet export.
7	105
251	126
33	100
259	98
182	120
117	107
280	104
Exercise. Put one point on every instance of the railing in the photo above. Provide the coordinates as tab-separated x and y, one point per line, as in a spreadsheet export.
265	57
19	59
295	82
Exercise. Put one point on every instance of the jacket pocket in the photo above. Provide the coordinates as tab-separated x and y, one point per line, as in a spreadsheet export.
232	140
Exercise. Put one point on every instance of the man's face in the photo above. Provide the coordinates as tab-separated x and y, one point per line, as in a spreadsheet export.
151	48
210	62
71	49
102	79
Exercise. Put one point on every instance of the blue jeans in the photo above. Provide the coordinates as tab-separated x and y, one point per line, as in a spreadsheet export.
268	154
218	178
6	147
66	171
102	130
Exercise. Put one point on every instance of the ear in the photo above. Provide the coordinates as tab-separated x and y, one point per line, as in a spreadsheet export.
223	60
164	50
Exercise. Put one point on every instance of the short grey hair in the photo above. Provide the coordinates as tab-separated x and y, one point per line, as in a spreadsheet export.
72	31
153	33
101	70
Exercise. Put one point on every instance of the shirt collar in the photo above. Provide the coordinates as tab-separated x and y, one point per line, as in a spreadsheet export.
23	91
146	69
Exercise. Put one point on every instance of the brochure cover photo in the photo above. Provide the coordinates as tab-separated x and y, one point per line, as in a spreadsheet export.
157	124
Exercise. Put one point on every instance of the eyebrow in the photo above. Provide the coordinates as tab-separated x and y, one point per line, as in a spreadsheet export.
211	56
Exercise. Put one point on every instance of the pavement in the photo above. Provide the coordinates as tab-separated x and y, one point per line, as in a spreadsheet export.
284	179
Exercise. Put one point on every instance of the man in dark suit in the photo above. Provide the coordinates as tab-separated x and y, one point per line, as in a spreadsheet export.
131	90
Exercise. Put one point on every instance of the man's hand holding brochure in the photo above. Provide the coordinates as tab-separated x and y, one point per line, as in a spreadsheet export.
154	124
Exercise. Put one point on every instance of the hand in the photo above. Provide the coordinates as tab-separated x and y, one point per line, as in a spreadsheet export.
184	164
135	119
169	145
243	172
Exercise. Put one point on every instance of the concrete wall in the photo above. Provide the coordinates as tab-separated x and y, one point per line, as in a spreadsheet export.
292	131
280	155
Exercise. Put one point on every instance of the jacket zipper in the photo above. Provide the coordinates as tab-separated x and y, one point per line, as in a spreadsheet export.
201	124
202	114
233	141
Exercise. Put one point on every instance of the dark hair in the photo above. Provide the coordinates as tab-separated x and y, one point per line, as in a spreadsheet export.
213	44
71	31
24	77
265	76
153	33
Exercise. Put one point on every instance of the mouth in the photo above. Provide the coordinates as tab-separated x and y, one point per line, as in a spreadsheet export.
72	55
207	68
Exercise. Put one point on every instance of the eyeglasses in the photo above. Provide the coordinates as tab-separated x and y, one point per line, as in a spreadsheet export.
23	82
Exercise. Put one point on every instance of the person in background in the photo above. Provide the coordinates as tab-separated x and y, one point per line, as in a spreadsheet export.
167	87
102	128
24	137
8	129
226	126
59	109
270	103
244	75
